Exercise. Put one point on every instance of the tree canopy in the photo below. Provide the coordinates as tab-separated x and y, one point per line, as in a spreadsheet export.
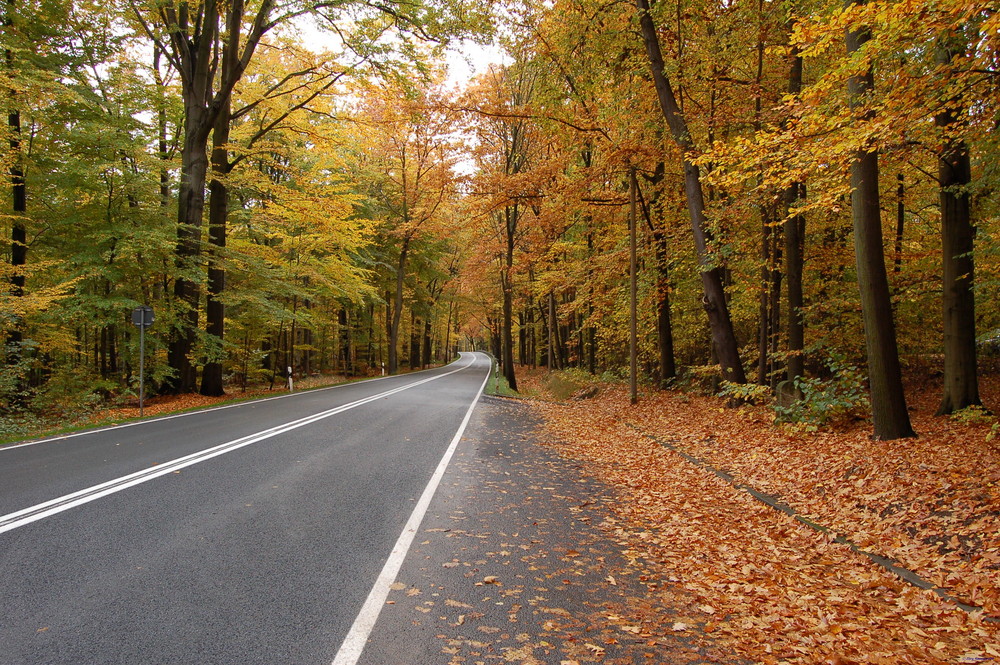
811	212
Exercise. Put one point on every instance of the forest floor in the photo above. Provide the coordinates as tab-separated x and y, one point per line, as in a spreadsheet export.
771	587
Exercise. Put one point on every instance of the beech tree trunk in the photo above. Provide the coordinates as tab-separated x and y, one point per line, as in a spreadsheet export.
196	90
889	414
397	309
194	40
961	381
795	239
511	214
19	208
218	213
714	299
18	231
425	358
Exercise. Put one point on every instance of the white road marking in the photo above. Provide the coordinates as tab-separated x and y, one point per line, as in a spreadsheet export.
48	508
357	636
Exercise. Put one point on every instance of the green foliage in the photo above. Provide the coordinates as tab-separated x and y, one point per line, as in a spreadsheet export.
974	415
827	400
564	383
749	393
72	393
702	379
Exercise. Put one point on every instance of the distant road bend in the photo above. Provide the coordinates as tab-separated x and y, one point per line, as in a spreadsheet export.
264	532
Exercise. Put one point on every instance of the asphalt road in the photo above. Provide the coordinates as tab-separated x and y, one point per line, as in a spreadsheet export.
247	534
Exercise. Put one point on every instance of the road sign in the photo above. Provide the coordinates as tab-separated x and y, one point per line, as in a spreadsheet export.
142	316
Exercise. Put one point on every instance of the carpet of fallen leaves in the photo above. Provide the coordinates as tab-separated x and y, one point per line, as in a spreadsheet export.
775	589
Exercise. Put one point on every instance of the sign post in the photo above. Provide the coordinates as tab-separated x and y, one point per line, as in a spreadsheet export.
142	317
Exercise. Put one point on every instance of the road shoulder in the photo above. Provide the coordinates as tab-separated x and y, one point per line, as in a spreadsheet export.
516	561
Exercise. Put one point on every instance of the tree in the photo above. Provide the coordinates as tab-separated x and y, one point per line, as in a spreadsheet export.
716	306
890	417
413	180
961	384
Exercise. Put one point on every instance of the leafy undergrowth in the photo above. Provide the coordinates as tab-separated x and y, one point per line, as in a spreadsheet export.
779	591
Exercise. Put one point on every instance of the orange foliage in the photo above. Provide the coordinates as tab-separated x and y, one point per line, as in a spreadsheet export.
779	591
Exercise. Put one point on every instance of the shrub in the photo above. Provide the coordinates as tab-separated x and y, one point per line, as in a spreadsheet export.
824	401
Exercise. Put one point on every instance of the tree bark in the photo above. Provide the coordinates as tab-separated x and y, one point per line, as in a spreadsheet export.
795	234
889	414
18	232
961	381
397	309
425	358
218	213
511	214
714	300
193	49
19	208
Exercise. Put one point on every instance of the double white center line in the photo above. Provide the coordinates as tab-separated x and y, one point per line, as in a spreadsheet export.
48	508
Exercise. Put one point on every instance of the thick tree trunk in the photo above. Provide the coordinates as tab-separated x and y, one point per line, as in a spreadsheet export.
199	117
19	206
961	381
889	414
397	309
194	167
425	359
218	213
507	286
714	300
795	226
795	234
18	232
414	354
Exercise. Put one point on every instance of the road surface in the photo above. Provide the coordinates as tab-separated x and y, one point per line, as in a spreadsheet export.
246	534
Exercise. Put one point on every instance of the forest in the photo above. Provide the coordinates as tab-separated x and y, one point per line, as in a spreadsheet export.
788	200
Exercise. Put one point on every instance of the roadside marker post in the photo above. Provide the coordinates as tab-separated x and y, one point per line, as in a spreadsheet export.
142	317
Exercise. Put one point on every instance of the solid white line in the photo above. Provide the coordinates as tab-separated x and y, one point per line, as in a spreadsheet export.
39	511
249	402
357	636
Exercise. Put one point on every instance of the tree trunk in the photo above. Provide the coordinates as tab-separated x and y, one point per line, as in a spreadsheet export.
425	358
889	414
218	213
897	259
196	90
18	232
795	233
714	299
19	207
414	355
507	287
961	381
397	309
664	329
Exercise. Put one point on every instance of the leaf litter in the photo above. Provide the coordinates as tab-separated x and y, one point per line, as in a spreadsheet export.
771	588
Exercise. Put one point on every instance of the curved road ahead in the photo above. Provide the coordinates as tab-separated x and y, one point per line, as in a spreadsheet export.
246	534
